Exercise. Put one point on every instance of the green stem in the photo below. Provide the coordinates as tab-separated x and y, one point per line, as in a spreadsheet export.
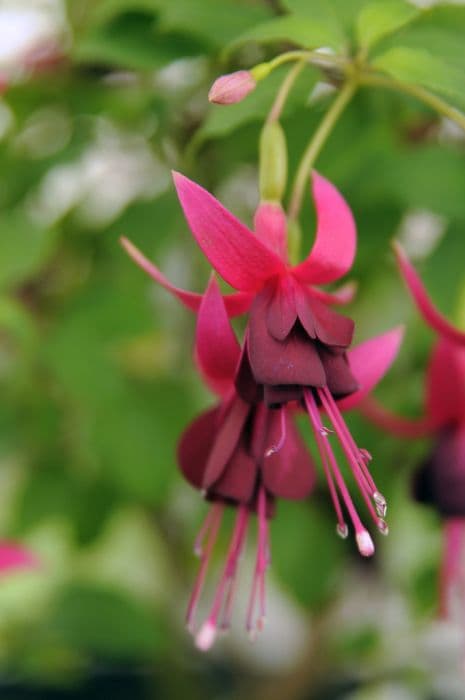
316	144
317	57
436	103
284	91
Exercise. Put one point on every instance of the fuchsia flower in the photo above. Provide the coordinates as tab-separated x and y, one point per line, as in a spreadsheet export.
234	454
440	481
295	347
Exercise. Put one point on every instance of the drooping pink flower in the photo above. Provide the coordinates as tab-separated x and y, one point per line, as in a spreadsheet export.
440	480
295	345
232	87
239	454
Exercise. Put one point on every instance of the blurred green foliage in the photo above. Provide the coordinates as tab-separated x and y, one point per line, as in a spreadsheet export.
95	363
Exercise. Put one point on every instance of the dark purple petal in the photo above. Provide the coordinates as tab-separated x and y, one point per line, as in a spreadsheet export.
281	313
246	386
441	480
339	378
195	445
289	472
226	440
238	480
294	360
331	328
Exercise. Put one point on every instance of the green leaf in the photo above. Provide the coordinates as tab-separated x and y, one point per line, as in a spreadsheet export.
216	22
105	622
439	30
24	247
379	19
131	41
420	67
340	13
295	29
310	573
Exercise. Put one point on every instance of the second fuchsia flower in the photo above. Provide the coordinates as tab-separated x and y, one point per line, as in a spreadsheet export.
295	346
440	480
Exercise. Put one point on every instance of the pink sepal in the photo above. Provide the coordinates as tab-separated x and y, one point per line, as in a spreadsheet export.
14	556
232	249
431	315
369	362
271	227
333	252
236	304
216	348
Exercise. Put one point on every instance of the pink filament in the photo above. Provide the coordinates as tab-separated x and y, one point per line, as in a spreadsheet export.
213	525
326	449
225	589
452	576
345	440
261	564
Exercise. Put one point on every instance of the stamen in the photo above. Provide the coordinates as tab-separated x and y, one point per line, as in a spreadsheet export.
383	527
282	439
316	423
341	525
358	467
342	530
214	525
205	636
380	504
206	525
261	564
208	630
365	543
325	431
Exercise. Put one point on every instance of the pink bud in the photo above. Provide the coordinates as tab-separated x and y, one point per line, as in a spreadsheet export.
231	88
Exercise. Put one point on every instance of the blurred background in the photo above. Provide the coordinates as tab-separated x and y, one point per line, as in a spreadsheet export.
100	99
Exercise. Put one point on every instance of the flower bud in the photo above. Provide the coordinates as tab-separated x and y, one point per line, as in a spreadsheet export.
273	162
231	88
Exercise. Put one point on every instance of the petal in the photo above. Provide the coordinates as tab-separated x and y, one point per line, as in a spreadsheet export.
330	327
392	423
344	295
431	315
233	250
289	472
216	347
226	440
236	304
281	314
14	556
369	362
445	383
339	378
195	445
239	479
291	361
333	252
271	228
